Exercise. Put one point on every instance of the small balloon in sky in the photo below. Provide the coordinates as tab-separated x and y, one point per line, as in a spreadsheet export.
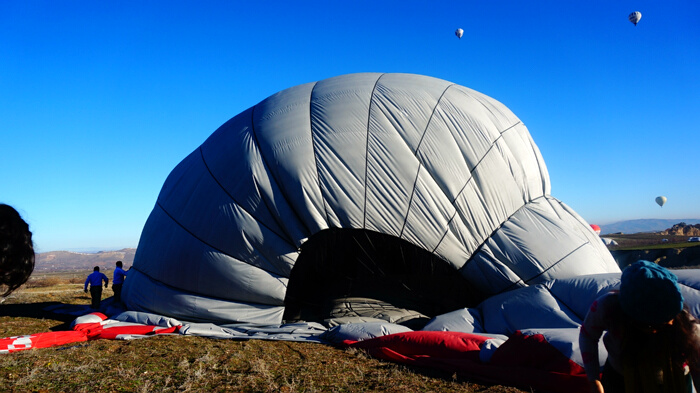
459	33
635	17
661	200
596	229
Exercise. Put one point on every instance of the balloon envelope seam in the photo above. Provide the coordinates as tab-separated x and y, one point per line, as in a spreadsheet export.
483	242
316	160
369	119
198	238
271	173
430	119
233	199
527	281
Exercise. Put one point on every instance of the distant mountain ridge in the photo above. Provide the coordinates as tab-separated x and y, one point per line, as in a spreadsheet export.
82	261
645	225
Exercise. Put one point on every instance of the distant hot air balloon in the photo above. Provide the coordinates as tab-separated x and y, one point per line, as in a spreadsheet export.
635	17
661	200
459	33
596	229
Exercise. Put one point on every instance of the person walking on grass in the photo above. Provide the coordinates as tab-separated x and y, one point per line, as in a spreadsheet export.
95	280
118	281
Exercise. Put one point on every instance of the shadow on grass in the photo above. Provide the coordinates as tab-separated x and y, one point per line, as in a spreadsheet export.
65	313
38	311
460	377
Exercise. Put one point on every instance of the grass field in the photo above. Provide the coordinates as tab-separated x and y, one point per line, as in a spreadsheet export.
649	241
660	246
190	364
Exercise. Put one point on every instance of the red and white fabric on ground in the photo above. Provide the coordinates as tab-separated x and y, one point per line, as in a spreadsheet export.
526	361
40	340
92	326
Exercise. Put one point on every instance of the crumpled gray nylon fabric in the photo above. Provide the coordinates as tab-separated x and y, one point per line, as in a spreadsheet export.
437	164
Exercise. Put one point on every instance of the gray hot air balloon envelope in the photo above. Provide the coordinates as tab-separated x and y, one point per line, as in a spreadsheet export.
406	189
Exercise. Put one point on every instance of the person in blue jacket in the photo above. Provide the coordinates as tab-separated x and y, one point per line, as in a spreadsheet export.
95	280
118	281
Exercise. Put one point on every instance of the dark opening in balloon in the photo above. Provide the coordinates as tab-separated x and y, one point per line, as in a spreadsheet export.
369	271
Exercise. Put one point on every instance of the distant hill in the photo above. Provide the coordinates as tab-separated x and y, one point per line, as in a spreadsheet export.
80	261
683	229
644	225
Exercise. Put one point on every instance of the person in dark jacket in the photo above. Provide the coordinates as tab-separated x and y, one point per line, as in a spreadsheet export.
652	340
95	280
118	281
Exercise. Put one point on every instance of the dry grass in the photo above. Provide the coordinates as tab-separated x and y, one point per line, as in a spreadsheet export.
193	364
55	281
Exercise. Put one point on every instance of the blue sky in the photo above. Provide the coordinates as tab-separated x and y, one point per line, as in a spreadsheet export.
99	100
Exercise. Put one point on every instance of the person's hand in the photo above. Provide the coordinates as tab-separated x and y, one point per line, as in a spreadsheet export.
106	285
596	386
85	290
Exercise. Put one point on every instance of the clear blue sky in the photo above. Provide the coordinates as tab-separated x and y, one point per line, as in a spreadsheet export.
99	100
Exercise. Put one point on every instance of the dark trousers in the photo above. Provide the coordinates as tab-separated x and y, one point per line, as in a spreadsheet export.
614	382
96	293
117	288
